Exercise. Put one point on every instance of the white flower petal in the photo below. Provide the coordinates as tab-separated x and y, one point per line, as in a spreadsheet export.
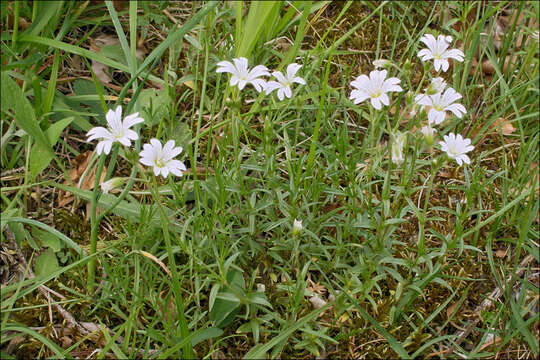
271	86
376	103
97	133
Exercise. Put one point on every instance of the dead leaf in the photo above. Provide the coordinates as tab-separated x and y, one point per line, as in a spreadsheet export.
451	309
501	253
316	287
80	163
99	70
504	126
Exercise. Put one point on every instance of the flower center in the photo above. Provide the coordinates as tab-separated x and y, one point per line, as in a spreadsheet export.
438	107
160	163
437	56
375	94
118	134
452	149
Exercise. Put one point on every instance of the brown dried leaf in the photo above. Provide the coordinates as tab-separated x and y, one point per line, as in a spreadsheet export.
316	287
80	163
451	309
99	70
504	126
501	253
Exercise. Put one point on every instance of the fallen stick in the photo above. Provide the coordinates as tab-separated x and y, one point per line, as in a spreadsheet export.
491	299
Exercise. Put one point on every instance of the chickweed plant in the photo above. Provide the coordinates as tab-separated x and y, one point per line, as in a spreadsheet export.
269	179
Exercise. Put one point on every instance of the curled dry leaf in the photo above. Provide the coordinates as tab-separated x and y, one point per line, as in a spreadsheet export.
504	126
451	310
80	164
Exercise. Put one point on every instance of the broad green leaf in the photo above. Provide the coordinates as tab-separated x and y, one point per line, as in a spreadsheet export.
227	304
48	239
205	334
40	157
46	263
13	98
259	12
154	104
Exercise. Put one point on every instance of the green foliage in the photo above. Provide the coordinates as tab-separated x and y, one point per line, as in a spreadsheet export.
398	256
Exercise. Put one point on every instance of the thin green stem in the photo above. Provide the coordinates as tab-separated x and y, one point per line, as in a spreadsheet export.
184	330
94	225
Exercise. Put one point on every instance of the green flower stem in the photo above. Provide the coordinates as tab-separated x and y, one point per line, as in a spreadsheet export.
94	226
187	352
311	156
422	219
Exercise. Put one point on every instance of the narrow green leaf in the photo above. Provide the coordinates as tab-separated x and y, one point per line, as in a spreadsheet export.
13	98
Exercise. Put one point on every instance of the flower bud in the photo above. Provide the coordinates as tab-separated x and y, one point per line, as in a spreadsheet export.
297	227
437	85
407	66
112	184
429	133
397	148
381	63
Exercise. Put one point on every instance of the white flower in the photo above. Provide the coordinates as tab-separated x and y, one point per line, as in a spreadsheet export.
437	49
381	63
161	158
297	226
397	148
261	288
456	147
118	131
284	82
111	184
429	133
437	85
440	103
241	75
375	88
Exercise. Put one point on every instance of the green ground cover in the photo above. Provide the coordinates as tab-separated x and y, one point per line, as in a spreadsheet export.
320	222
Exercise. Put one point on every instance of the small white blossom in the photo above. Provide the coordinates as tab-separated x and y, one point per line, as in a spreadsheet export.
381	63
261	288
456	147
161	158
285	81
118	131
439	103
374	88
397	148
297	226
429	133
437	50
241	75
111	184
